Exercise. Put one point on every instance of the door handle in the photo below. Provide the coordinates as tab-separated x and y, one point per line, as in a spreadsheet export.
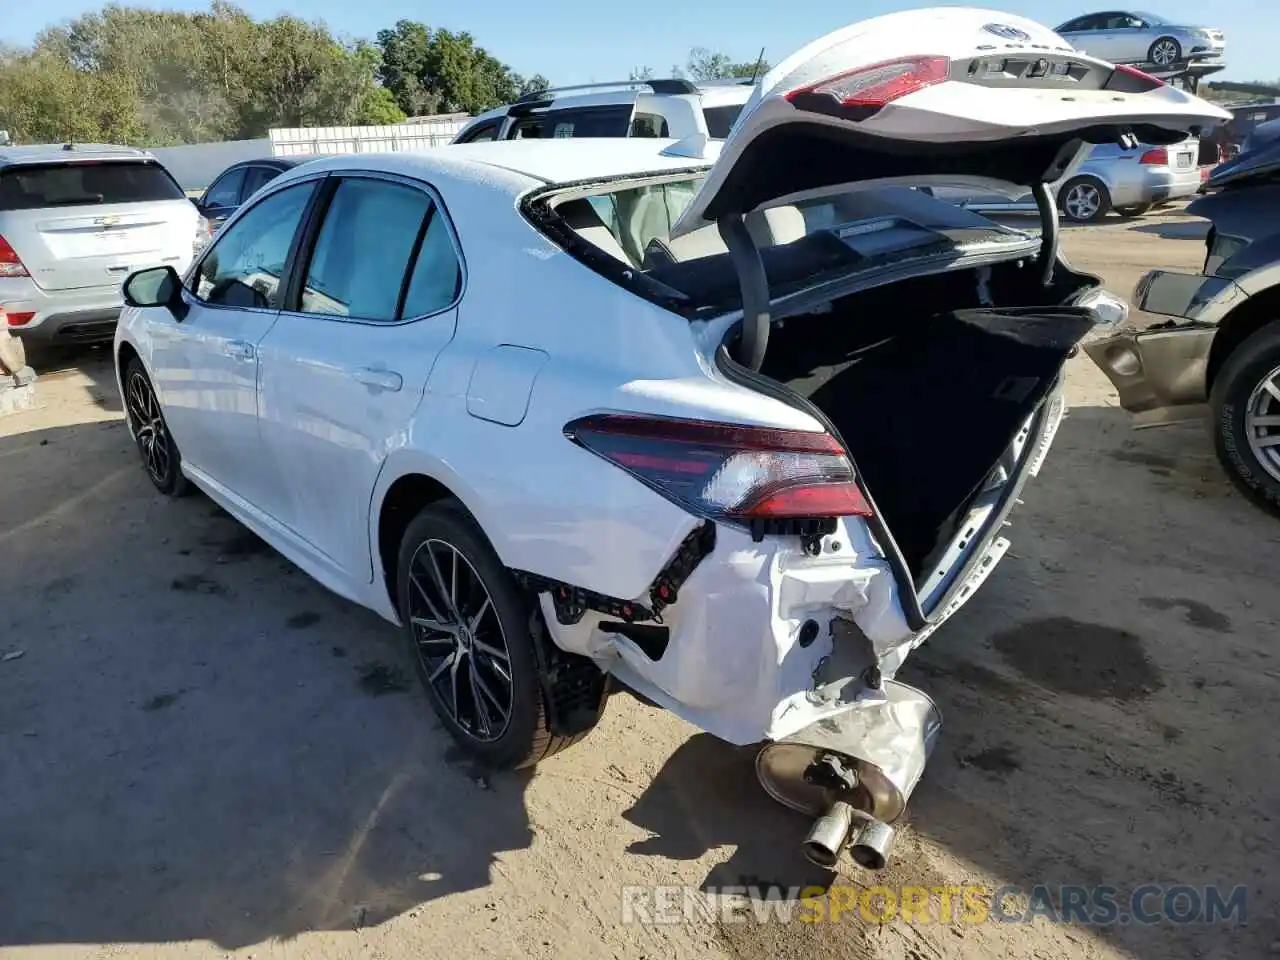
240	349
379	379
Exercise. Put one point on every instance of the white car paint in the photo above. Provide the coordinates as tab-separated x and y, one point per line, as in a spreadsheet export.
299	425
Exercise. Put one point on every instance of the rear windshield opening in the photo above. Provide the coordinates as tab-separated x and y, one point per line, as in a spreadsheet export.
85	184
799	243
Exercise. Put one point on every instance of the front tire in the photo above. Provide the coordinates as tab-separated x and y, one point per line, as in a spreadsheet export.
1164	52
1246	417
160	457
467	624
1084	200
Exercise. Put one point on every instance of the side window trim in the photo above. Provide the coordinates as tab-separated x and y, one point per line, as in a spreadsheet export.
305	243
308	215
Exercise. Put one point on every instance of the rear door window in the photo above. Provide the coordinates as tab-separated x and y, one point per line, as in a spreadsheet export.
256	178
85	184
720	120
226	191
363	250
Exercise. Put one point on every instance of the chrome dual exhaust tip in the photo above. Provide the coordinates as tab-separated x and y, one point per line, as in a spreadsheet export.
870	841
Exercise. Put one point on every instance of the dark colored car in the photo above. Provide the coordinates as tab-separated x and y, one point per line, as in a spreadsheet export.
238	183
1218	356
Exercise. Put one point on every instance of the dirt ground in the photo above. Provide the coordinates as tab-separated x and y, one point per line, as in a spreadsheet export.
202	753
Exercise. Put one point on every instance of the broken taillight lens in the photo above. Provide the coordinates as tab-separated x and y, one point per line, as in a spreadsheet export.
878	84
728	471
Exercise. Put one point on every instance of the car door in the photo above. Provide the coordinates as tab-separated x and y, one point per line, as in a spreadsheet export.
204	364
222	198
1082	32
344	368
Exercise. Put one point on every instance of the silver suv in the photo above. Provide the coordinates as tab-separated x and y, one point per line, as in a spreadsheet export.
75	221
631	108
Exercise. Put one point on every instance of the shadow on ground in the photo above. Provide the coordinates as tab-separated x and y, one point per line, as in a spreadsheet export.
1179	230
1126	740
93	362
181	753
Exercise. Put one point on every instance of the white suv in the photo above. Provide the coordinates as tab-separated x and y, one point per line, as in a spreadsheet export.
75	221
641	108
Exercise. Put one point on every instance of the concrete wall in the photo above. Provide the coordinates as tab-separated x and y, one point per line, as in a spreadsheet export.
196	165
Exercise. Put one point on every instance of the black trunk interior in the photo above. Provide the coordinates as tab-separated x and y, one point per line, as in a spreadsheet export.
928	387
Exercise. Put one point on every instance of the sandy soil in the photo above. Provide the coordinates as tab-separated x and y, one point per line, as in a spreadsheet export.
202	753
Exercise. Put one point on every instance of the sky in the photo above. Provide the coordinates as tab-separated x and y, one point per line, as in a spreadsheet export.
583	41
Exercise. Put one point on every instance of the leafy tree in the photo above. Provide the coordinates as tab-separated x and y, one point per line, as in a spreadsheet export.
704	64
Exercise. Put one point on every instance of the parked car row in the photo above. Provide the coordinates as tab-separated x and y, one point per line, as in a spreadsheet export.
701	479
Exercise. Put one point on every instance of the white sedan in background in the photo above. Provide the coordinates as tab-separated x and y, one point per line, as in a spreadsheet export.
662	411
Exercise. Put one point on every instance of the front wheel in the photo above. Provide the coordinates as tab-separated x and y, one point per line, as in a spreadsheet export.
1084	200
1165	52
1246	417
160	456
467	624
1135	210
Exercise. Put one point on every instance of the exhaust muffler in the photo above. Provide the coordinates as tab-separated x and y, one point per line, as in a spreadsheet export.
854	773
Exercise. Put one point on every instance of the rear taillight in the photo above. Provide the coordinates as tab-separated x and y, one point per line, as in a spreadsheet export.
1157	156
18	319
726	471
878	84
1127	79
10	263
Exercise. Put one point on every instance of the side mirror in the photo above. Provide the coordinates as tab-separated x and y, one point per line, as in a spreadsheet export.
156	287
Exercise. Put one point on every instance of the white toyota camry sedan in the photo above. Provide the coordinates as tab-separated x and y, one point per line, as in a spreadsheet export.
736	424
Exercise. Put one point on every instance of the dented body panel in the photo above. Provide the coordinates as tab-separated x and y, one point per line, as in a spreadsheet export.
1162	373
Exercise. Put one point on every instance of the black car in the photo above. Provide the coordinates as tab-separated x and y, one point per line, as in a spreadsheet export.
238	183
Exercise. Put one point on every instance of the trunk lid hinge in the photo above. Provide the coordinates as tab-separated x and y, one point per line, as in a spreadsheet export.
1048	208
754	284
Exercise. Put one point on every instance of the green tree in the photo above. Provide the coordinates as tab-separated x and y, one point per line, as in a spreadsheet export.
704	64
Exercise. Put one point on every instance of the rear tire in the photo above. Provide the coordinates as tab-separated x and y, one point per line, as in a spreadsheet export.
1084	200
160	457
1246	388
467	624
1136	210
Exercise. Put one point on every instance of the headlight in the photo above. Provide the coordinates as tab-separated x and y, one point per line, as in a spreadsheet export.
1109	311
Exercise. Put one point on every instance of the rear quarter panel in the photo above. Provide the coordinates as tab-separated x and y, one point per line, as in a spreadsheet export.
547	505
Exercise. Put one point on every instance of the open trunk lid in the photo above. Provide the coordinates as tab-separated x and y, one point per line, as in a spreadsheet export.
937	91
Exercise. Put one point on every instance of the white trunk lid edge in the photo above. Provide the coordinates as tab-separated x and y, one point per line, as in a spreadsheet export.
943	90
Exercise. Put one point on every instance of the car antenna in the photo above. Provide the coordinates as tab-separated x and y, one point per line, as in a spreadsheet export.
755	71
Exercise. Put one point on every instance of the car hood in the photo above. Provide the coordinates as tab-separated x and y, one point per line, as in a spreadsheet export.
937	91
1260	165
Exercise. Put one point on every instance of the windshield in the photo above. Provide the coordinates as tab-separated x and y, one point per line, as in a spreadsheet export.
85	184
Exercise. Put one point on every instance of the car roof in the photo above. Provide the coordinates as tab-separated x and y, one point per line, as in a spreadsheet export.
568	160
520	165
69	153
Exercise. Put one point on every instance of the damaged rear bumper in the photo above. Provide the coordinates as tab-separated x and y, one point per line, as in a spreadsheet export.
768	638
1160	373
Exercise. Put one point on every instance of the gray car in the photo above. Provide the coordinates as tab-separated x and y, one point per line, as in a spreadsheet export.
1217	357
1132	36
1129	180
75	221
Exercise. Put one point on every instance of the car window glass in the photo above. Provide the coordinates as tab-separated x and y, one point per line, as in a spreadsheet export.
226	192
720	120
363	250
649	125
582	122
34	186
247	261
256	178
481	134
437	275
